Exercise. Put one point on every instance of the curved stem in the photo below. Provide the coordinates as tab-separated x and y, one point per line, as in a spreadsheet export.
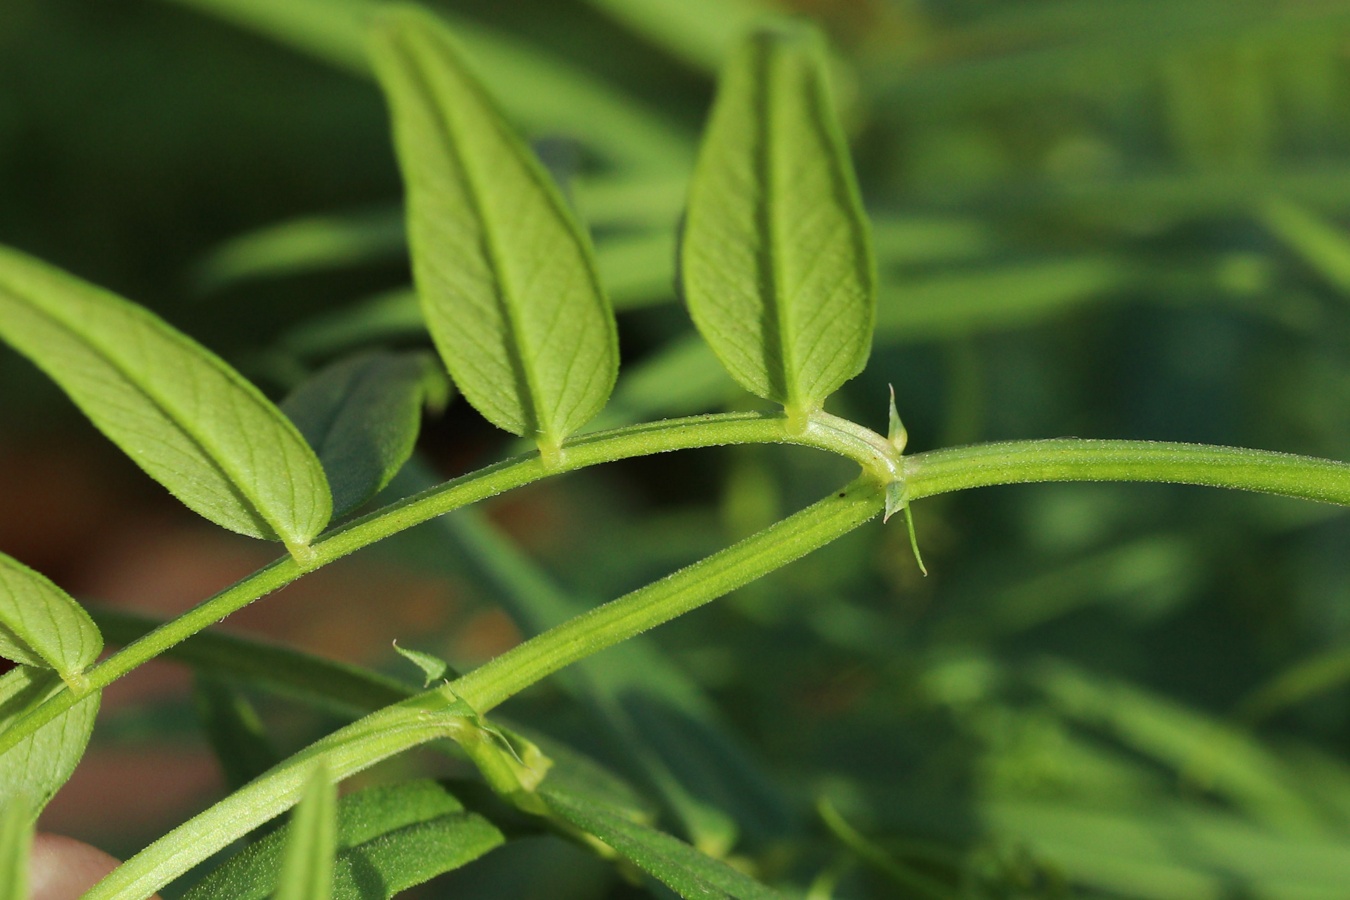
1074	459
672	596
434	714
923	475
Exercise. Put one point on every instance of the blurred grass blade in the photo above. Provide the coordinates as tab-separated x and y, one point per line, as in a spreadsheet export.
389	839
682	378
362	416
388	316
776	262
233	729
1202	751
184	416
638	269
1323	246
16	841
304	245
323	683
906	877
41	625
680	867
1318	673
36	767
545	94
306	871
700	32
1021	293
506	276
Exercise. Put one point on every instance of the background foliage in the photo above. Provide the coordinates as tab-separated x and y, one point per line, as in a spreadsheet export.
1118	219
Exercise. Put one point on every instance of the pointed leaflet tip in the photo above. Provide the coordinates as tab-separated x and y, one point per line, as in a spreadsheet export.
914	540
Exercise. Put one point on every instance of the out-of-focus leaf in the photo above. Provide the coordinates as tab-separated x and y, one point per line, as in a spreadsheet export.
306	871
545	94
1172	850
1307	678
1204	752
679	866
506	276
775	260
1003	297
327	684
345	690
674	739
393	315
1322	245
903	239
682	378
233	728
701	32
16	841
389	839
35	768
362	416
41	625
305	244
184	416
638	269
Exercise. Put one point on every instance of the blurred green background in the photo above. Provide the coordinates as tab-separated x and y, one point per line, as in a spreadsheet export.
1101	218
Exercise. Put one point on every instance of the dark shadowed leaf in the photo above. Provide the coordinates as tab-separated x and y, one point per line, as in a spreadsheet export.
389	839
680	867
234	730
362	416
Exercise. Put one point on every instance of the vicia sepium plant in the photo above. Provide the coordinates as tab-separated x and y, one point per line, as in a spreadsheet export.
777	271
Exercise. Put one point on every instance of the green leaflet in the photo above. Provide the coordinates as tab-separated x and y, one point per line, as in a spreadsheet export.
35	768
679	866
776	261
16	839
389	839
41	625
311	841
507	278
362	415
433	668
184	416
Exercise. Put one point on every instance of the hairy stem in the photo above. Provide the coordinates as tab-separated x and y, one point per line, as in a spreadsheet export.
923	475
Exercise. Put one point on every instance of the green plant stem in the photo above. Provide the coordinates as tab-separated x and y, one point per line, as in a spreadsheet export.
661	601
1074	459
358	746
437	713
924	475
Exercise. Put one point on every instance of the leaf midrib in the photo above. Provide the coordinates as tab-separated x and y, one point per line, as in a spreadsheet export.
232	481
776	326
446	127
